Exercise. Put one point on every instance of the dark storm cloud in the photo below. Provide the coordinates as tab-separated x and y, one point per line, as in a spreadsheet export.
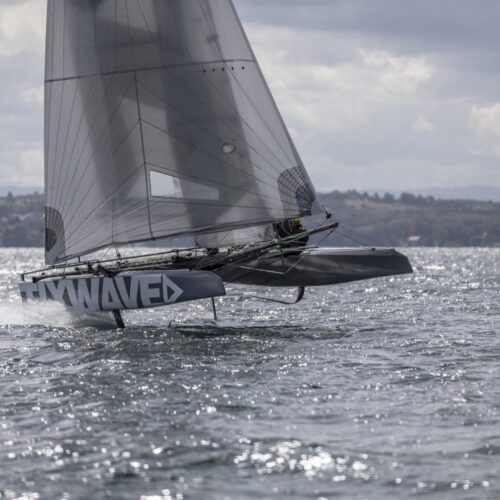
423	25
465	35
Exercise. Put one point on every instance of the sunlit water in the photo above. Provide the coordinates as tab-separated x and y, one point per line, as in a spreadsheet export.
382	389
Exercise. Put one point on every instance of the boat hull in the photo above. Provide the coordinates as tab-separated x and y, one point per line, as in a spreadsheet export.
317	267
131	290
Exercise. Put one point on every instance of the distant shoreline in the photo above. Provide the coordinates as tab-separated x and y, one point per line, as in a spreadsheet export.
405	221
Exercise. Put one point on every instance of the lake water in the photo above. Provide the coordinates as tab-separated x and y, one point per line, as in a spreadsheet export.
377	390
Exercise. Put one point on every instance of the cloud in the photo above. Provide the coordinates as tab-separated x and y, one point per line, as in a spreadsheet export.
321	97
397	73
376	104
423	125
22	27
485	123
23	166
486	119
350	119
22	44
384	94
430	26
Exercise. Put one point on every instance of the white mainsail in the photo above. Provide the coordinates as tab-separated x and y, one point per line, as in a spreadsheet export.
159	123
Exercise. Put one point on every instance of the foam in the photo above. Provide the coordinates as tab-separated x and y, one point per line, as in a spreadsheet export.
48	313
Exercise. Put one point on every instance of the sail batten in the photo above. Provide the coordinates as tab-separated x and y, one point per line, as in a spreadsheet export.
138	70
159	123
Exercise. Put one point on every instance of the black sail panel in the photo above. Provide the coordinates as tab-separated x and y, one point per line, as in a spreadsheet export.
159	123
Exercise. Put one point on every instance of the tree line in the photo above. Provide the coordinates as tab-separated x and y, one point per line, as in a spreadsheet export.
416	220
372	218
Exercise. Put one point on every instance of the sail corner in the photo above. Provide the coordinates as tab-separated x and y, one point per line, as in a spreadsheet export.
55	241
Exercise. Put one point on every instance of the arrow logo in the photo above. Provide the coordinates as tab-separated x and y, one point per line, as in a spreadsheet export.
171	292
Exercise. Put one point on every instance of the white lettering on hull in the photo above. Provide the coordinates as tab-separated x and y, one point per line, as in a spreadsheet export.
128	289
150	291
87	294
106	294
110	300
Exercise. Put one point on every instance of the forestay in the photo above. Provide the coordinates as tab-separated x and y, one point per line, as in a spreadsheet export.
159	123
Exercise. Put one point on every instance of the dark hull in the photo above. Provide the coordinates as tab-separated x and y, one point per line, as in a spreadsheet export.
129	290
317	267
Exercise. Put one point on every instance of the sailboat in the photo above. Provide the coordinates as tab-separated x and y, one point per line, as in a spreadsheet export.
159	124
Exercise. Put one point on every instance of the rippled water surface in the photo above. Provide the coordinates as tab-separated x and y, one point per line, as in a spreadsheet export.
382	389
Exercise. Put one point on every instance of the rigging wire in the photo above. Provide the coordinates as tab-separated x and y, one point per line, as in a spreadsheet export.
303	256
355	240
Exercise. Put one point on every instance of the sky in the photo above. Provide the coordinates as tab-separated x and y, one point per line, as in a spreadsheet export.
377	94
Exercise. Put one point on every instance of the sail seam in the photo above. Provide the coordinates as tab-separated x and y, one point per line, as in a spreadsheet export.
140	119
143	154
81	176
110	120
68	129
70	160
57	139
127	179
52	191
152	68
89	190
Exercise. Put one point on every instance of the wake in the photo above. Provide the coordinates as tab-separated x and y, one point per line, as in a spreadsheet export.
48	314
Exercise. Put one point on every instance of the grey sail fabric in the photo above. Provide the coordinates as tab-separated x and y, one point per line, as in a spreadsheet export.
159	123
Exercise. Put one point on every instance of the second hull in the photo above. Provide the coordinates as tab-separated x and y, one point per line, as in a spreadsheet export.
317	267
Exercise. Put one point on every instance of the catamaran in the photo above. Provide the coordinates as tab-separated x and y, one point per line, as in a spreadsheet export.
159	124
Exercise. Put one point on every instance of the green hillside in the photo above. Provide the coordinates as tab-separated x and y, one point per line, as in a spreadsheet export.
403	221
415	220
21	220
